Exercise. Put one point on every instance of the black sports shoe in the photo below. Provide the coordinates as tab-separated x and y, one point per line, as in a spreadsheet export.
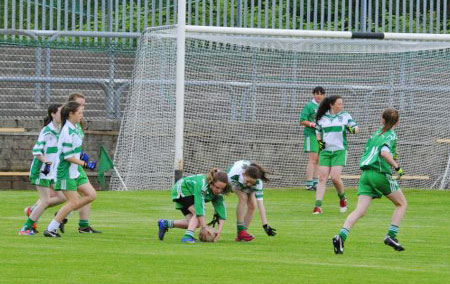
338	245
392	242
51	234
61	225
88	230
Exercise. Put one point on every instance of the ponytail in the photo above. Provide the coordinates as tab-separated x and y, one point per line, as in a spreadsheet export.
53	108
391	117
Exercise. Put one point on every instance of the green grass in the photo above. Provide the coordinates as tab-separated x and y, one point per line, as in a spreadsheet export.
129	251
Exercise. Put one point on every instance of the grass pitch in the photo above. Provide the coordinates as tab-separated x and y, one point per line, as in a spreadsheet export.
129	251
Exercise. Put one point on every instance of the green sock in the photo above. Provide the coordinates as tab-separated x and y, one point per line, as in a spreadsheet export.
241	227
393	231
83	223
343	233
29	224
315	181
309	183
318	203
168	223
188	234
341	196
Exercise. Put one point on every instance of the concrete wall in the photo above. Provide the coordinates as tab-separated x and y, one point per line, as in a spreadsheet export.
17	138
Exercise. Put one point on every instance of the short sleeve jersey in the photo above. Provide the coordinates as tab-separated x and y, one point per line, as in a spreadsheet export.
198	187
332	129
237	180
70	143
309	114
371	158
47	146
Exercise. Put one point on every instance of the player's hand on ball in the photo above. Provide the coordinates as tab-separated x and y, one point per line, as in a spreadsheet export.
321	145
399	171
217	237
269	230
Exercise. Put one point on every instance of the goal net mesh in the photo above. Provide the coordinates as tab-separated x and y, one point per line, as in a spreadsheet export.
244	96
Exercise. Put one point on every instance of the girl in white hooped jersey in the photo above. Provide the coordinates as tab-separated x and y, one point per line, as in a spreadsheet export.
70	176
246	179
332	125
42	172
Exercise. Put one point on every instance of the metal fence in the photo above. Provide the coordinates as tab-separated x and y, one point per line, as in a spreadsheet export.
37	73
406	16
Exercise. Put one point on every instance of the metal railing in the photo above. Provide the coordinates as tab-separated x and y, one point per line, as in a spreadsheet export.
112	86
406	16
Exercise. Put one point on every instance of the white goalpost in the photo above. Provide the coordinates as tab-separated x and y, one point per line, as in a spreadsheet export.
205	97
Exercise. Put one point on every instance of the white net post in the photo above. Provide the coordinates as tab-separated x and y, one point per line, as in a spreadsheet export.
179	113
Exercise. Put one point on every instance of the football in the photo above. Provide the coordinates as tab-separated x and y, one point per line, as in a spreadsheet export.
210	234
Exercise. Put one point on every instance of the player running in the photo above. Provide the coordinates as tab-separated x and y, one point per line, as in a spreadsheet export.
377	161
311	146
42	172
190	195
247	182
70	176
332	125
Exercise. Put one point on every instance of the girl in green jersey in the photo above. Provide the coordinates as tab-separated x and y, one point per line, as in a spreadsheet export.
190	195
377	161
310	145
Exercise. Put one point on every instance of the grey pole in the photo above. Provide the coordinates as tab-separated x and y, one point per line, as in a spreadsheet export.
363	15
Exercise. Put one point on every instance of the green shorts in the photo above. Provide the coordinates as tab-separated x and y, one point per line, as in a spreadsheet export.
333	158
310	144
375	184
71	184
42	182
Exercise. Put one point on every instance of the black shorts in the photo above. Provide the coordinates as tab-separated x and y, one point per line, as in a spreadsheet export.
186	202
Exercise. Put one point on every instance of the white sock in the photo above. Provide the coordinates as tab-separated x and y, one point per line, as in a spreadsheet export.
53	225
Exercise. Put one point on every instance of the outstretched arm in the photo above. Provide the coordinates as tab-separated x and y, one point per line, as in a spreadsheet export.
262	211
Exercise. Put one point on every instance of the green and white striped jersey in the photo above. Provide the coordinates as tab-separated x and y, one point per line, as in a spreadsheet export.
332	129
309	114
70	144
47	146
198	187
237	180
371	158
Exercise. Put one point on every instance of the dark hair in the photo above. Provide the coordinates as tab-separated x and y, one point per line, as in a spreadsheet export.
215	175
325	106
53	108
255	171
390	117
74	96
69	107
318	89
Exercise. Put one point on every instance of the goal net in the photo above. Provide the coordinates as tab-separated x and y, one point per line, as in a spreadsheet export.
244	96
